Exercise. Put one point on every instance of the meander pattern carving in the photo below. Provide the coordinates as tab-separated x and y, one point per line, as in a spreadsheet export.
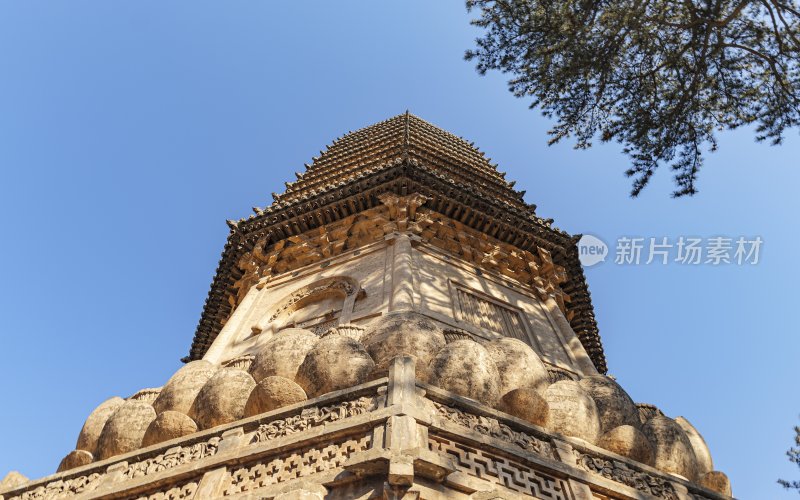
493	428
295	464
499	470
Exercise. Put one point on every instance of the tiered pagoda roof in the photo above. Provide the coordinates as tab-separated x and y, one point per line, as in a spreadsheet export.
403	154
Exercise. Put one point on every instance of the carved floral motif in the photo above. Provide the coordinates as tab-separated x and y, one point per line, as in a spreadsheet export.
63	488
621	473
493	428
313	417
172	458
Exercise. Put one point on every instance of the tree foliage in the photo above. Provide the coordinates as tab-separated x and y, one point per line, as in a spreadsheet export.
659	76
794	456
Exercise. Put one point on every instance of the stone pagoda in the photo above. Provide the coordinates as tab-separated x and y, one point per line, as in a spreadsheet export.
397	324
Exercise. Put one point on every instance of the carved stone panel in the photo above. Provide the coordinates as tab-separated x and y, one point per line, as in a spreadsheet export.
503	471
314	417
178	492
493	428
293	464
62	488
490	315
622	473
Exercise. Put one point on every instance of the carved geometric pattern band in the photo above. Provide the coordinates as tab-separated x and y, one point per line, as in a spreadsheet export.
292	465
496	469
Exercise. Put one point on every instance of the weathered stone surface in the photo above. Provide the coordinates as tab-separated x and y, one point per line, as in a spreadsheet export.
716	481
572	411
466	368
335	362
614	406
355	332
243	362
628	441
75	458
408	334
12	480
222	398
272	393
526	404
647	411
90	433
148	395
181	389
519	366
701	452
283	354
168	425
125	429
673	451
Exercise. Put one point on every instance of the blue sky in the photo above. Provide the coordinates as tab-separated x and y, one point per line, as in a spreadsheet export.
130	131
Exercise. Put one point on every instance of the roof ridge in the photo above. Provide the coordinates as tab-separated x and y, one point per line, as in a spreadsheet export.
405	136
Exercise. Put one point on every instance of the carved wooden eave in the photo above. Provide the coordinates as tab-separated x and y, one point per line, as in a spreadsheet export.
402	155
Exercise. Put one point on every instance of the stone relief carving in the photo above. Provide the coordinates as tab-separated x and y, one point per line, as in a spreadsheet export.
621	473
242	362
342	286
173	458
558	374
401	213
402	209
295	464
493	428
313	417
261	263
513	475
539	271
452	335
147	395
180	455
63	488
175	493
